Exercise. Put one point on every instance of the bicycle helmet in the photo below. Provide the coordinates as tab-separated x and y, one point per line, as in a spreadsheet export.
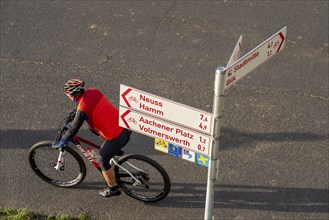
74	86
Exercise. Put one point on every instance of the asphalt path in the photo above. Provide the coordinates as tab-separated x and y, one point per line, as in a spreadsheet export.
274	141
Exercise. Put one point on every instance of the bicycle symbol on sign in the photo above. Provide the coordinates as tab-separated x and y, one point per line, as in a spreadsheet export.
132	98
132	120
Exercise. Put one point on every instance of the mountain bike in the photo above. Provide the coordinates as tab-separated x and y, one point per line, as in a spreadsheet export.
140	177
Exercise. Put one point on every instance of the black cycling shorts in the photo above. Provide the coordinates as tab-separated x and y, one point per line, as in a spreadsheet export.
110	148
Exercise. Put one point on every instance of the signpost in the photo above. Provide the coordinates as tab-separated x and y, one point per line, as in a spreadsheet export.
225	78
191	128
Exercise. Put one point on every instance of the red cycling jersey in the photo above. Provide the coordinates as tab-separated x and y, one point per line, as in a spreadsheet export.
103	117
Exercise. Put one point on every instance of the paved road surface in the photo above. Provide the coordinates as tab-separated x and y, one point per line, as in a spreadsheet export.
274	146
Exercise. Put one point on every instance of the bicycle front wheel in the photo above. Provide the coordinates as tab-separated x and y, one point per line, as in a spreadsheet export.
142	178
43	158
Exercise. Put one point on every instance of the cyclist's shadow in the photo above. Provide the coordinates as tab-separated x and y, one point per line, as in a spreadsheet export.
282	199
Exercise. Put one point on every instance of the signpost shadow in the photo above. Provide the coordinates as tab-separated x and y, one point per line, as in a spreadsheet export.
231	138
281	199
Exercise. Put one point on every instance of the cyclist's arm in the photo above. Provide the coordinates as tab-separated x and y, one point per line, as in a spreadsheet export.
74	127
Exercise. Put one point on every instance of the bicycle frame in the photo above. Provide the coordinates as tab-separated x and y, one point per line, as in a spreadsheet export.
76	140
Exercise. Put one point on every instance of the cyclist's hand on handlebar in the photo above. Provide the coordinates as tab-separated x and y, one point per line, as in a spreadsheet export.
60	144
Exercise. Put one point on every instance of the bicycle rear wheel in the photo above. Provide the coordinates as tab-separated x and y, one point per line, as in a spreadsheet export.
43	158
155	183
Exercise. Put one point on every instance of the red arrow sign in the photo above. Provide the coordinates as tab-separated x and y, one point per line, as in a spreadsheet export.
255	58
282	40
123	118
124	97
165	109
156	128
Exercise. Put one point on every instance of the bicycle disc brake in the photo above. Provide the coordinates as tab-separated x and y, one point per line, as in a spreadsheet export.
143	178
61	168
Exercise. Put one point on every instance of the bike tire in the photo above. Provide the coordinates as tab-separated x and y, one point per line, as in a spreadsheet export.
148	191
42	158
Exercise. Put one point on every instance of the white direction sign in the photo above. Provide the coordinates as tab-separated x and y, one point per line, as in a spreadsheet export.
165	109
254	58
236	53
156	128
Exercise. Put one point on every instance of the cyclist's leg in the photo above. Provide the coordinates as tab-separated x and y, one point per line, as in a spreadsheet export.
108	150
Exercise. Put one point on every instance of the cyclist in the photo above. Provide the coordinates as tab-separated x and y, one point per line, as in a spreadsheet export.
103	119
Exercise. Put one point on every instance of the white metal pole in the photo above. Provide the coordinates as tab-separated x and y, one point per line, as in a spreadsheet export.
218	107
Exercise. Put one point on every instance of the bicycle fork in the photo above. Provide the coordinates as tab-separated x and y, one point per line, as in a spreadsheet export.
60	161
